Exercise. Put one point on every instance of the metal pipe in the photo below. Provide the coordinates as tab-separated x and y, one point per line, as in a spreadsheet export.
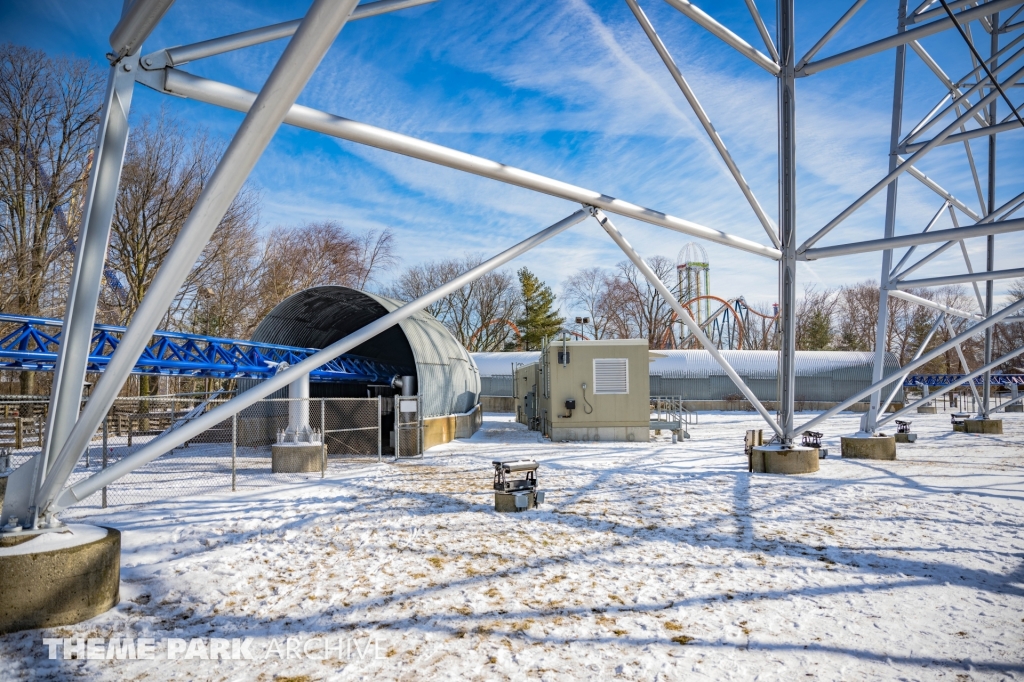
924	344
171	439
762	29
183	54
830	33
935	187
952	234
882	323
304	52
921	361
705	121
986	275
727	36
135	26
230	97
990	245
87	272
884	182
684	315
969	134
946	389
963	362
910	251
917	18
924	261
785	25
934	305
903	38
970	268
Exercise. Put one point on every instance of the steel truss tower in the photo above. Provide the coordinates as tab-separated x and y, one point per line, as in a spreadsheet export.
970	109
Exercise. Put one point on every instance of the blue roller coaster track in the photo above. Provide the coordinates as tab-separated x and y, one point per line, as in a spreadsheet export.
33	342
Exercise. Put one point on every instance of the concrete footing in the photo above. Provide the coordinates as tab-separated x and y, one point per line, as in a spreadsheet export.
1018	407
868	447
295	459
989	426
928	409
777	459
905	437
59	578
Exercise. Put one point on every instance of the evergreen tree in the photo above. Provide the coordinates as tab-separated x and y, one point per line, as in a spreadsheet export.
818	334
539	317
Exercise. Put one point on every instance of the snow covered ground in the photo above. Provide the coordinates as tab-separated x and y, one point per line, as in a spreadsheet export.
649	561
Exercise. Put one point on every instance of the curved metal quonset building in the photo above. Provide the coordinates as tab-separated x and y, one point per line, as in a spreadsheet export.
447	381
821	376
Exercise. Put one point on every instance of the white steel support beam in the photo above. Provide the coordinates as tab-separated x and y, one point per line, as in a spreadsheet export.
785	25
829	34
910	251
949	234
934	305
903	38
762	29
171	439
230	97
921	361
137	22
903	377
183	54
705	121
983	276
946	389
963	361
87	272
304	52
882	324
684	315
899	169
990	245
728	37
935	187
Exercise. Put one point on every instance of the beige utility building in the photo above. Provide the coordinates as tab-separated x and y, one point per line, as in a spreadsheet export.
587	391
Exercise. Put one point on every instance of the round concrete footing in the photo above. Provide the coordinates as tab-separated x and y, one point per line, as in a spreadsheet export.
905	437
295	459
868	447
990	426
928	409
59	578
777	459
1014	408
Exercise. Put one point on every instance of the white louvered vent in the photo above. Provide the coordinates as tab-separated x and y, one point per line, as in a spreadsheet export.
611	375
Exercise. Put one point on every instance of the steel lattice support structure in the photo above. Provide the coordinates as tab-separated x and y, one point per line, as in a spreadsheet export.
970	102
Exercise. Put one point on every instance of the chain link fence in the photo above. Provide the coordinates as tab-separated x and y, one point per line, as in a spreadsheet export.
235	454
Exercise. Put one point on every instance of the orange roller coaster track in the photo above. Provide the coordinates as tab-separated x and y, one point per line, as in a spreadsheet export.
670	336
510	323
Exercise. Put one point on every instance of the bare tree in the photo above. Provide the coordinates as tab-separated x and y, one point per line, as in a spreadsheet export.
587	292
48	115
318	254
636	309
480	315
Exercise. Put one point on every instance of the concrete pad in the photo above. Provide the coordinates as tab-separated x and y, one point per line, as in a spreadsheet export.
1018	407
868	447
905	437
777	459
928	409
991	426
295	459
59	578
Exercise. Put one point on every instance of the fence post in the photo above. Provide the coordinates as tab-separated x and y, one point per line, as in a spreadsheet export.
130	425
17	431
105	459
234	445
380	427
323	440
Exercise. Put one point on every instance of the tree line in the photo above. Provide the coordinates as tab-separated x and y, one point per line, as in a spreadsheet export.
49	113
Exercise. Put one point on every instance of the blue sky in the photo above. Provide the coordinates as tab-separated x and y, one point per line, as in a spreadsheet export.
570	89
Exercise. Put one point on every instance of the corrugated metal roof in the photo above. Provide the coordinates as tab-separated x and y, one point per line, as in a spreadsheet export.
828	376
448	381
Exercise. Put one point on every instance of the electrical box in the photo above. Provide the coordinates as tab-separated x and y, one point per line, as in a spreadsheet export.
602	395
